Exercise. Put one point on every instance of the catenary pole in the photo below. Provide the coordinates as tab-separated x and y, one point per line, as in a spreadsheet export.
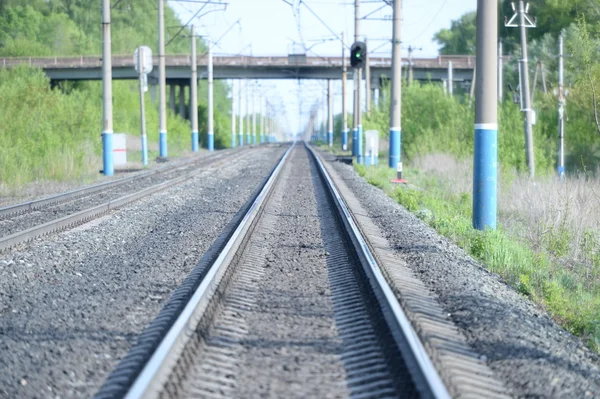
344	105
233	142
561	109
330	112
241	127
142	108
107	114
247	88
211	102
500	73
194	93
162	81
367	80
253	114
485	173
395	154
358	72
450	79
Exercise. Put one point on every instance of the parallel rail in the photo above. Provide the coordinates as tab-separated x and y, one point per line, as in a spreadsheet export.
86	215
156	372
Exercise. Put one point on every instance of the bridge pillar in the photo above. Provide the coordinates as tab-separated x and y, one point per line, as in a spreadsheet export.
182	101
172	97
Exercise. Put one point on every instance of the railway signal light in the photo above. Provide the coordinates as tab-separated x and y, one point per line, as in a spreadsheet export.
358	55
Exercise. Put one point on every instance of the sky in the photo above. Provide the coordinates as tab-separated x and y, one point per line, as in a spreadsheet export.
274	27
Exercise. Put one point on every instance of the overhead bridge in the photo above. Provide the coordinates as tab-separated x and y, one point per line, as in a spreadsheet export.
239	67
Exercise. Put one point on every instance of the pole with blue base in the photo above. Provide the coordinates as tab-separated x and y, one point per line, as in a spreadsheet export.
211	103
359	144
162	82
485	160
107	128
194	93
395	150
241	127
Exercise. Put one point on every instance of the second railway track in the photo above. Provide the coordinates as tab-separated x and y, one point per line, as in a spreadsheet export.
293	306
20	223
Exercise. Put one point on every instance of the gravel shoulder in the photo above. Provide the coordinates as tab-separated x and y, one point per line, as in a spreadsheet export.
531	354
72	304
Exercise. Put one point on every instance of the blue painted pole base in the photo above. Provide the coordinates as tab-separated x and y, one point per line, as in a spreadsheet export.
261	138
354	142
345	140
233	140
359	145
241	139
162	141
485	177
144	150
108	168
330	138
248	141
195	141
395	148
211	141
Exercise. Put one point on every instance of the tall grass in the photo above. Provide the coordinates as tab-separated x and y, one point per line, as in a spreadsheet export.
547	245
54	134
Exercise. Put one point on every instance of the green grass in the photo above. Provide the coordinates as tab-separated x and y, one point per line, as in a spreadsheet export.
534	273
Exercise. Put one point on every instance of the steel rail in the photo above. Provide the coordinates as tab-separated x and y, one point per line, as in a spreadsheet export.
156	371
425	375
73	194
86	215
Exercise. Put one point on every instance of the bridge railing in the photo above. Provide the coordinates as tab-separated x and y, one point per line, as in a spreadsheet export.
458	61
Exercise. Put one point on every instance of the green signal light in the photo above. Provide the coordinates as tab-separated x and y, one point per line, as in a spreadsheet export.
358	55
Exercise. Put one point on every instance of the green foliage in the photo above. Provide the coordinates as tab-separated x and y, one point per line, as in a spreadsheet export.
460	38
567	295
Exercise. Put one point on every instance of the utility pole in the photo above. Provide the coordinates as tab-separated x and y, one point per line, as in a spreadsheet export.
410	65
367	81
358	72
194	93
233	113
500	73
211	103
162	81
395	154
450	79
107	117
344	116
529	115
330	112
254	115
140	60
247	113
485	170
262	120
561	109
241	131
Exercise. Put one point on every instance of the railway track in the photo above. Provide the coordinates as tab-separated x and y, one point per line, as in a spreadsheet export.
292	304
23	222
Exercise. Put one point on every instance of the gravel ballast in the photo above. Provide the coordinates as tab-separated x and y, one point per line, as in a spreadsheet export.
72	304
531	354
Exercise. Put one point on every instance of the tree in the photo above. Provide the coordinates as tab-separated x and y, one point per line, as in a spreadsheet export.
460	38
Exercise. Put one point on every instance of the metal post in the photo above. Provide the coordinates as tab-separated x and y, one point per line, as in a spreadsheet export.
450	79
241	127
182	101
262	120
247	113
359	144
162	81
485	173
330	112
500	73
194	93
561	109
211	103
254	115
233	113
107	118
142	109
344	105
524	23
367	81
395	156
410	65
